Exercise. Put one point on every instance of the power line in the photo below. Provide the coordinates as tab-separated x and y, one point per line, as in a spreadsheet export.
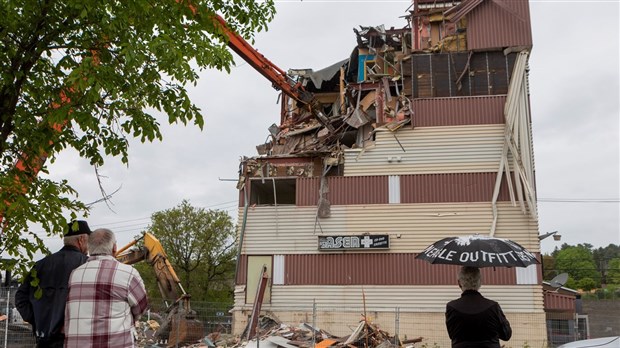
579	200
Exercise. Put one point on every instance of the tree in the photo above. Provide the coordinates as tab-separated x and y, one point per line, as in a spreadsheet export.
200	246
613	271
578	262
586	284
602	257
89	74
549	270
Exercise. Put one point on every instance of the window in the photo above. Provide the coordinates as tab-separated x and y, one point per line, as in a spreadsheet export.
272	191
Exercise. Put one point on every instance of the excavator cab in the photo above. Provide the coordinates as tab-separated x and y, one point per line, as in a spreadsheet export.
179	324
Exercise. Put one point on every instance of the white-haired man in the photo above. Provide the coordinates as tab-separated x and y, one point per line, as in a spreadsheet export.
474	321
105	299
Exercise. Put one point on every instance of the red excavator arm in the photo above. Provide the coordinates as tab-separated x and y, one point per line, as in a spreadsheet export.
264	66
275	75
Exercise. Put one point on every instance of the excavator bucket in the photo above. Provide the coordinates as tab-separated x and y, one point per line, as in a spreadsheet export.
181	327
185	330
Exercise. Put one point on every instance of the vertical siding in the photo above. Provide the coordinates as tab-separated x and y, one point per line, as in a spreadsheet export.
357	190
452	187
344	190
379	269
556	301
419	188
458	111
307	191
242	270
499	24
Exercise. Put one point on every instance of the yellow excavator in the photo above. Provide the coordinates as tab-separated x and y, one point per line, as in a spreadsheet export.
179	325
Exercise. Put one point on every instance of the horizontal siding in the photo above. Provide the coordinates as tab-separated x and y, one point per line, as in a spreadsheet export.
515	298
379	269
412	227
458	149
458	111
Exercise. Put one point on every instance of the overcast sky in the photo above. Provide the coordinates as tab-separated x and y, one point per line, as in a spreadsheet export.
574	85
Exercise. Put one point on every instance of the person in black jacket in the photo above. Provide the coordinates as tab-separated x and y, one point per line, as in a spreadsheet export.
43	305
472	320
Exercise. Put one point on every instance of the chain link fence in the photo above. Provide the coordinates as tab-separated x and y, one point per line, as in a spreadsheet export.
411	327
14	332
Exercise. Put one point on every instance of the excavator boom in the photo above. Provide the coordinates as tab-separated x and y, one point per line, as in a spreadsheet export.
180	325
273	73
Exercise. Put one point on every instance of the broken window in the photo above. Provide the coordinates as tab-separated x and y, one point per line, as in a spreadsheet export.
461	74
273	191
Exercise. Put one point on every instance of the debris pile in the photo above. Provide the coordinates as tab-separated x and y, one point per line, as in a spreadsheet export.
273	334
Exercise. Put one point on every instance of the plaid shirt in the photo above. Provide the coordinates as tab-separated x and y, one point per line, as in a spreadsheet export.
105	298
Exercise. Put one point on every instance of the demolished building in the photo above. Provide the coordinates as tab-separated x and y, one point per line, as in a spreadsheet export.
426	135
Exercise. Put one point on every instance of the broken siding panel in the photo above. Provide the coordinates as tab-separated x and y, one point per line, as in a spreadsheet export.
457	149
462	83
419	225
379	269
479	74
513	298
461	74
499	24
458	111
422	76
451	187
442	76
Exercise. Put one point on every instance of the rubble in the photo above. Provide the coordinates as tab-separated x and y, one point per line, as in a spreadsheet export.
273	334
365	334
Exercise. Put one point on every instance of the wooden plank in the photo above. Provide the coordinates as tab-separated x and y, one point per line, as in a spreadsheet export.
326	343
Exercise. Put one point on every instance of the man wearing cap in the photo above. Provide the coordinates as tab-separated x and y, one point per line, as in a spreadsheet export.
43	305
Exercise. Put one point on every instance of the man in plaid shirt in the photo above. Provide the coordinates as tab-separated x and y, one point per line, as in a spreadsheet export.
105	299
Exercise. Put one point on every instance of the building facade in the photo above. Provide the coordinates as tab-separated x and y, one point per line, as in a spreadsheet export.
428	136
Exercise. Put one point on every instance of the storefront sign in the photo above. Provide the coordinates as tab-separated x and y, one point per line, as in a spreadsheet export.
367	241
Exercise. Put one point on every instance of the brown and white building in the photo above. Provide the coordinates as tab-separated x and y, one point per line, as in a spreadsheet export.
429	137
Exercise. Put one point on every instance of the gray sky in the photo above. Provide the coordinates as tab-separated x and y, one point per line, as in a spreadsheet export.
574	85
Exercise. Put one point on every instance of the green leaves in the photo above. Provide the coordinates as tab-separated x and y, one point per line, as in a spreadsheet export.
93	70
200	245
